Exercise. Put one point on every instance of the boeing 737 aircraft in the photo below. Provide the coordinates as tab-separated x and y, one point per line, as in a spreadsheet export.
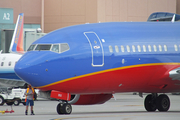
8	60
86	64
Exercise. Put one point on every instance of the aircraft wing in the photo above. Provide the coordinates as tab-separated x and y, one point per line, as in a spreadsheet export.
11	83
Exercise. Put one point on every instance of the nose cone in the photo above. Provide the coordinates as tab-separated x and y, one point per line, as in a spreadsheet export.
22	70
26	69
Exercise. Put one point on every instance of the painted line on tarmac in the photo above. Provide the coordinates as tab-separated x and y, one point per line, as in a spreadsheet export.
146	114
97	117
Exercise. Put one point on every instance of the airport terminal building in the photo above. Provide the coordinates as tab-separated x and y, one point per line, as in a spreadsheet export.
53	14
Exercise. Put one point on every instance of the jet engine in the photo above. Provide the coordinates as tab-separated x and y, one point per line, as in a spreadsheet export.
89	99
77	99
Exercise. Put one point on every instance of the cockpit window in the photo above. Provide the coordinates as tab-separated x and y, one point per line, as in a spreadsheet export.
31	48
55	48
64	47
43	47
58	48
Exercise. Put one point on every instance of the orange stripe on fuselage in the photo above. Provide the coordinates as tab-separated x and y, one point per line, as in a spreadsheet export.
104	71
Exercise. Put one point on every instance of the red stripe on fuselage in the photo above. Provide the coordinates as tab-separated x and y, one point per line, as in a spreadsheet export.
138	78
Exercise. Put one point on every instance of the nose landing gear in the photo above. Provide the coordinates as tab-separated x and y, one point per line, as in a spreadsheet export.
64	108
153	102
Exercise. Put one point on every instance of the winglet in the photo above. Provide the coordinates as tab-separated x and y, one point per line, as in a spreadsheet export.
17	39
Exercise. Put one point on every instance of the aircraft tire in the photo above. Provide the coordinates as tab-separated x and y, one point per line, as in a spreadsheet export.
163	103
67	108
149	103
59	108
1	101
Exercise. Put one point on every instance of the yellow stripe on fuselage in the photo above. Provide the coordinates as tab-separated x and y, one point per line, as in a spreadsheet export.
113	69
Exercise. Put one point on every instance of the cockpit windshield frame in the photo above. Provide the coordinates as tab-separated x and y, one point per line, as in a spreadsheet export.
43	47
57	48
32	47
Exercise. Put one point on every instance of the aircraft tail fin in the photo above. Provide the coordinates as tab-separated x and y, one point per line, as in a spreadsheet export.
17	39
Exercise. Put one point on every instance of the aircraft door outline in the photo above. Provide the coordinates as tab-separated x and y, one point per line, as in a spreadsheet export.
96	49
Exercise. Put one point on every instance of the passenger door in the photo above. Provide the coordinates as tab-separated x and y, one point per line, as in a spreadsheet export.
96	49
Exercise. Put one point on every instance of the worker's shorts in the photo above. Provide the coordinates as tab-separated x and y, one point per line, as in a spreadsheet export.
31	102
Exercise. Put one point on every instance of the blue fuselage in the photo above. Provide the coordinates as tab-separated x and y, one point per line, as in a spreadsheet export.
100	48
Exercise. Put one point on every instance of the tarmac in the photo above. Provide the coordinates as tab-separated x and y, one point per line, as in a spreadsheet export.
124	106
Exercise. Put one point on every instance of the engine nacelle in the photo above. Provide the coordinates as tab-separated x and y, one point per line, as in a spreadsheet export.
89	99
80	99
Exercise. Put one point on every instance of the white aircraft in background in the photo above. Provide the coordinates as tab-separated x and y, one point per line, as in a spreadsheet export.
8	60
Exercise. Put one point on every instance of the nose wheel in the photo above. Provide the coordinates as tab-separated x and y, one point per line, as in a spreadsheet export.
64	108
153	102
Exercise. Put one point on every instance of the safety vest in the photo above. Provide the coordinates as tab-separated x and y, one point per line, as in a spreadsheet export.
27	91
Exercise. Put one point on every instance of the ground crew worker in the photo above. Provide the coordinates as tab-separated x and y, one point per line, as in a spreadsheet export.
29	99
